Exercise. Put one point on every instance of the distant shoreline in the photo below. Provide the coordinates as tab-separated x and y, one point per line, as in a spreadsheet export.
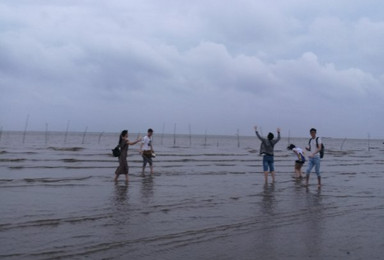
157	135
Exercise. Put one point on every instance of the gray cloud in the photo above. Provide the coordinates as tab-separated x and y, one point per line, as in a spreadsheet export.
215	65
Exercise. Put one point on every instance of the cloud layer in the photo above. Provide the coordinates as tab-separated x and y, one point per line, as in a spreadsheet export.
214	65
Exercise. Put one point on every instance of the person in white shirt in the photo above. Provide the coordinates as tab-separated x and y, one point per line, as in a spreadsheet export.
146	150
314	147
299	160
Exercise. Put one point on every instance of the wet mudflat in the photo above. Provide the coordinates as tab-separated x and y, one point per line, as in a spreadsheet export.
207	200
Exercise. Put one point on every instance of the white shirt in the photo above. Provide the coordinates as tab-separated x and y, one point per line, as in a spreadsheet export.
147	143
312	145
298	150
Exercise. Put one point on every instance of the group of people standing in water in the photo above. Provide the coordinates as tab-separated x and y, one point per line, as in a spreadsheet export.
266	149
146	151
313	148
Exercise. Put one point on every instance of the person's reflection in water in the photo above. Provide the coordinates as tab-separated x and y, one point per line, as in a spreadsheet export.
315	222
266	237
147	187
268	199
120	193
120	204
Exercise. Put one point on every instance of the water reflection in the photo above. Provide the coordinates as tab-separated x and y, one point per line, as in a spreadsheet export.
120	193
147	187
267	233
268	201
120	205
314	223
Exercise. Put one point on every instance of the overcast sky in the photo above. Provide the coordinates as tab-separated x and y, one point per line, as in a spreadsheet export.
217	66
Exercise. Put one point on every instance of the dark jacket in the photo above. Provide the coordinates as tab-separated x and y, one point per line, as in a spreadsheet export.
267	146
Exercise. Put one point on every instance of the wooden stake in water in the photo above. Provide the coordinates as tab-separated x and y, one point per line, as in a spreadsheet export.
46	133
238	138
174	135
84	134
1	132
25	128
369	145
289	136
66	132
162	134
100	135
342	144
190	134
205	138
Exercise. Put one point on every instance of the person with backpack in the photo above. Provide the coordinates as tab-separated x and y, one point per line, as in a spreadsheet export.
123	145
300	160
315	146
267	148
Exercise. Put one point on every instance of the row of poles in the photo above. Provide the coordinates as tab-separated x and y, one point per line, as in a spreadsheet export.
101	134
162	135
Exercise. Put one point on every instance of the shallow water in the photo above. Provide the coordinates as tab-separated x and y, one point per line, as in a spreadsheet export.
207	200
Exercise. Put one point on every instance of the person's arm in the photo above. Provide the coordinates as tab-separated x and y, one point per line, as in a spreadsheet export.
134	142
141	146
313	154
257	134
308	148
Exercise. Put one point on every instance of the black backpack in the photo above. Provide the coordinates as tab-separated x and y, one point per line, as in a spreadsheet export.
317	145
116	152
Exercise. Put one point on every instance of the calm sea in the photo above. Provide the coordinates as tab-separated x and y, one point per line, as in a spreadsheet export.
207	200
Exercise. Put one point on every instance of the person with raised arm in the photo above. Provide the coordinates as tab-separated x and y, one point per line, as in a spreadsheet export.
124	143
267	150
